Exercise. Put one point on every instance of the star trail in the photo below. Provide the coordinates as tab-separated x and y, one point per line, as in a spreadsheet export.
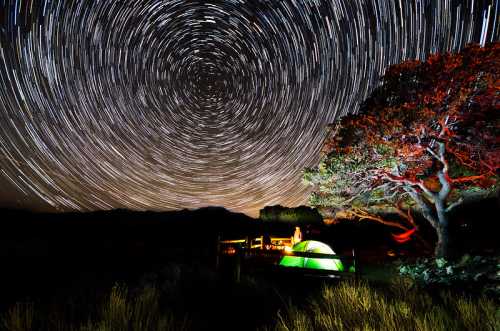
160	105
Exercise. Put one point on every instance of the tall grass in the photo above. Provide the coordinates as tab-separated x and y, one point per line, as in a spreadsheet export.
143	312
357	306
344	306
120	311
19	317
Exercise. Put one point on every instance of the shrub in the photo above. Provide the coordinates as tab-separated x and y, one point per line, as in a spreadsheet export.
468	273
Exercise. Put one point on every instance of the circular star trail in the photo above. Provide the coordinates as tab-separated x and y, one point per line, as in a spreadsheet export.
159	105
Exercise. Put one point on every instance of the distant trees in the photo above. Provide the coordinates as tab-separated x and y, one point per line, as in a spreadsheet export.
297	215
427	138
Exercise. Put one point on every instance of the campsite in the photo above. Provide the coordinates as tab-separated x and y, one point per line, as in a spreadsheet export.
118	260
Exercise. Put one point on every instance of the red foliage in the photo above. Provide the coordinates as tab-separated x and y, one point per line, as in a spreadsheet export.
450	98
428	132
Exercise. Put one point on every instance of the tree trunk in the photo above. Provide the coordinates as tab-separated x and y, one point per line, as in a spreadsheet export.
436	215
442	249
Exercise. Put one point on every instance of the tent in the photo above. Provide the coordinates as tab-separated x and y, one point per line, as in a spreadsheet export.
312	246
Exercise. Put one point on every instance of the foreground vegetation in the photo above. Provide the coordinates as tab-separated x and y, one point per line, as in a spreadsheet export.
341	306
350	306
119	311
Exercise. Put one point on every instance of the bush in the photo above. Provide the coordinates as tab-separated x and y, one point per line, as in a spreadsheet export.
468	273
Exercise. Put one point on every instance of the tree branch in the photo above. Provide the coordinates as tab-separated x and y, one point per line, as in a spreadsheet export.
444	179
407	215
410	183
455	204
362	215
426	211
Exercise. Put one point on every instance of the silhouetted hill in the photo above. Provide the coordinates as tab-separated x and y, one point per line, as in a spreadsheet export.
42	252
116	232
124	234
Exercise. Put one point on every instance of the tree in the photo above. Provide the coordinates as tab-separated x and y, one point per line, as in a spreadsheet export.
426	139
297	215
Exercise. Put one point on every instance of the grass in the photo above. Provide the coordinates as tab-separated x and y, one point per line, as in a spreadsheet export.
357	306
342	306
19	317
119	311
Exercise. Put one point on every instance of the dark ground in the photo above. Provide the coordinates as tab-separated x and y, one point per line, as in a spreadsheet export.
48	258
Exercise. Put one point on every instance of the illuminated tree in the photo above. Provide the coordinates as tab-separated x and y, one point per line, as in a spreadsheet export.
426	138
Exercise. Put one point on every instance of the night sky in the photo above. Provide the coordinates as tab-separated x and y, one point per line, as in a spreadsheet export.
170	104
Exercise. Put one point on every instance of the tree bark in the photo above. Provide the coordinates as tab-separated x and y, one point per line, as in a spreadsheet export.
442	249
435	213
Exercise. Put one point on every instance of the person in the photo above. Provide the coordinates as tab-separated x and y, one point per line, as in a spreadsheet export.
297	236
266	242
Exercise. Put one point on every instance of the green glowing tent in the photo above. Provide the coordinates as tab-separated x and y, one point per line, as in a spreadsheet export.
312	246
